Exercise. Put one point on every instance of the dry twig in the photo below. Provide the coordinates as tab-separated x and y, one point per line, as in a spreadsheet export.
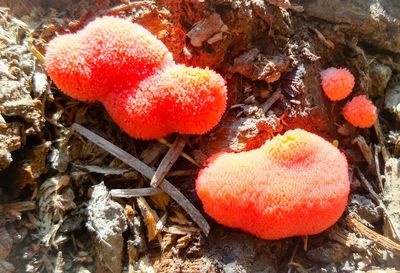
366	151
328	43
129	193
183	154
146	171
271	100
168	161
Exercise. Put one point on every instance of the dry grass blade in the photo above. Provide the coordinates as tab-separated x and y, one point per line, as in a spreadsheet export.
168	161
128	193
378	167
378	201
184	155
360	228
328	43
39	56
148	172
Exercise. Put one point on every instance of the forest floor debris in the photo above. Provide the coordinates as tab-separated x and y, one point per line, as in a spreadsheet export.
270	53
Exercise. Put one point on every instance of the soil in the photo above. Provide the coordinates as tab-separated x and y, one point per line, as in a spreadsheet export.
59	211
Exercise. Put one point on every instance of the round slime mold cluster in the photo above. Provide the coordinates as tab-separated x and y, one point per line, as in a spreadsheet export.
133	74
360	112
295	184
337	83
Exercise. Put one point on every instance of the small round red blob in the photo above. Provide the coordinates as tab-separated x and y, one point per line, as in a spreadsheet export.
295	184
337	83
360	112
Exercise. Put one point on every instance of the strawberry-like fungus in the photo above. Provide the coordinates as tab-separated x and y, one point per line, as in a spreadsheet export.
337	83
295	184
360	112
133	74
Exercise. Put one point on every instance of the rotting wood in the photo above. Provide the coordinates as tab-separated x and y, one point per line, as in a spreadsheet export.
381	240
129	193
168	161
378	201
146	171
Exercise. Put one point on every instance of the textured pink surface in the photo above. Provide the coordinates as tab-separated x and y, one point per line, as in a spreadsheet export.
295	184
124	66
337	83
360	112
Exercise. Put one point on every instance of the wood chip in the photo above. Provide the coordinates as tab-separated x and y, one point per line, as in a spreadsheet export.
148	172
168	161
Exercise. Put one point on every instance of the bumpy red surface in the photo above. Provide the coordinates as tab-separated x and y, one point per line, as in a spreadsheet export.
360	112
337	83
124	66
108	54
181	99
295	184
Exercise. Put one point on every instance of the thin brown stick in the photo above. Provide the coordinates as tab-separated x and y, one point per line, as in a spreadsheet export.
271	100
39	56
168	161
129	193
183	154
378	168
366	151
146	171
